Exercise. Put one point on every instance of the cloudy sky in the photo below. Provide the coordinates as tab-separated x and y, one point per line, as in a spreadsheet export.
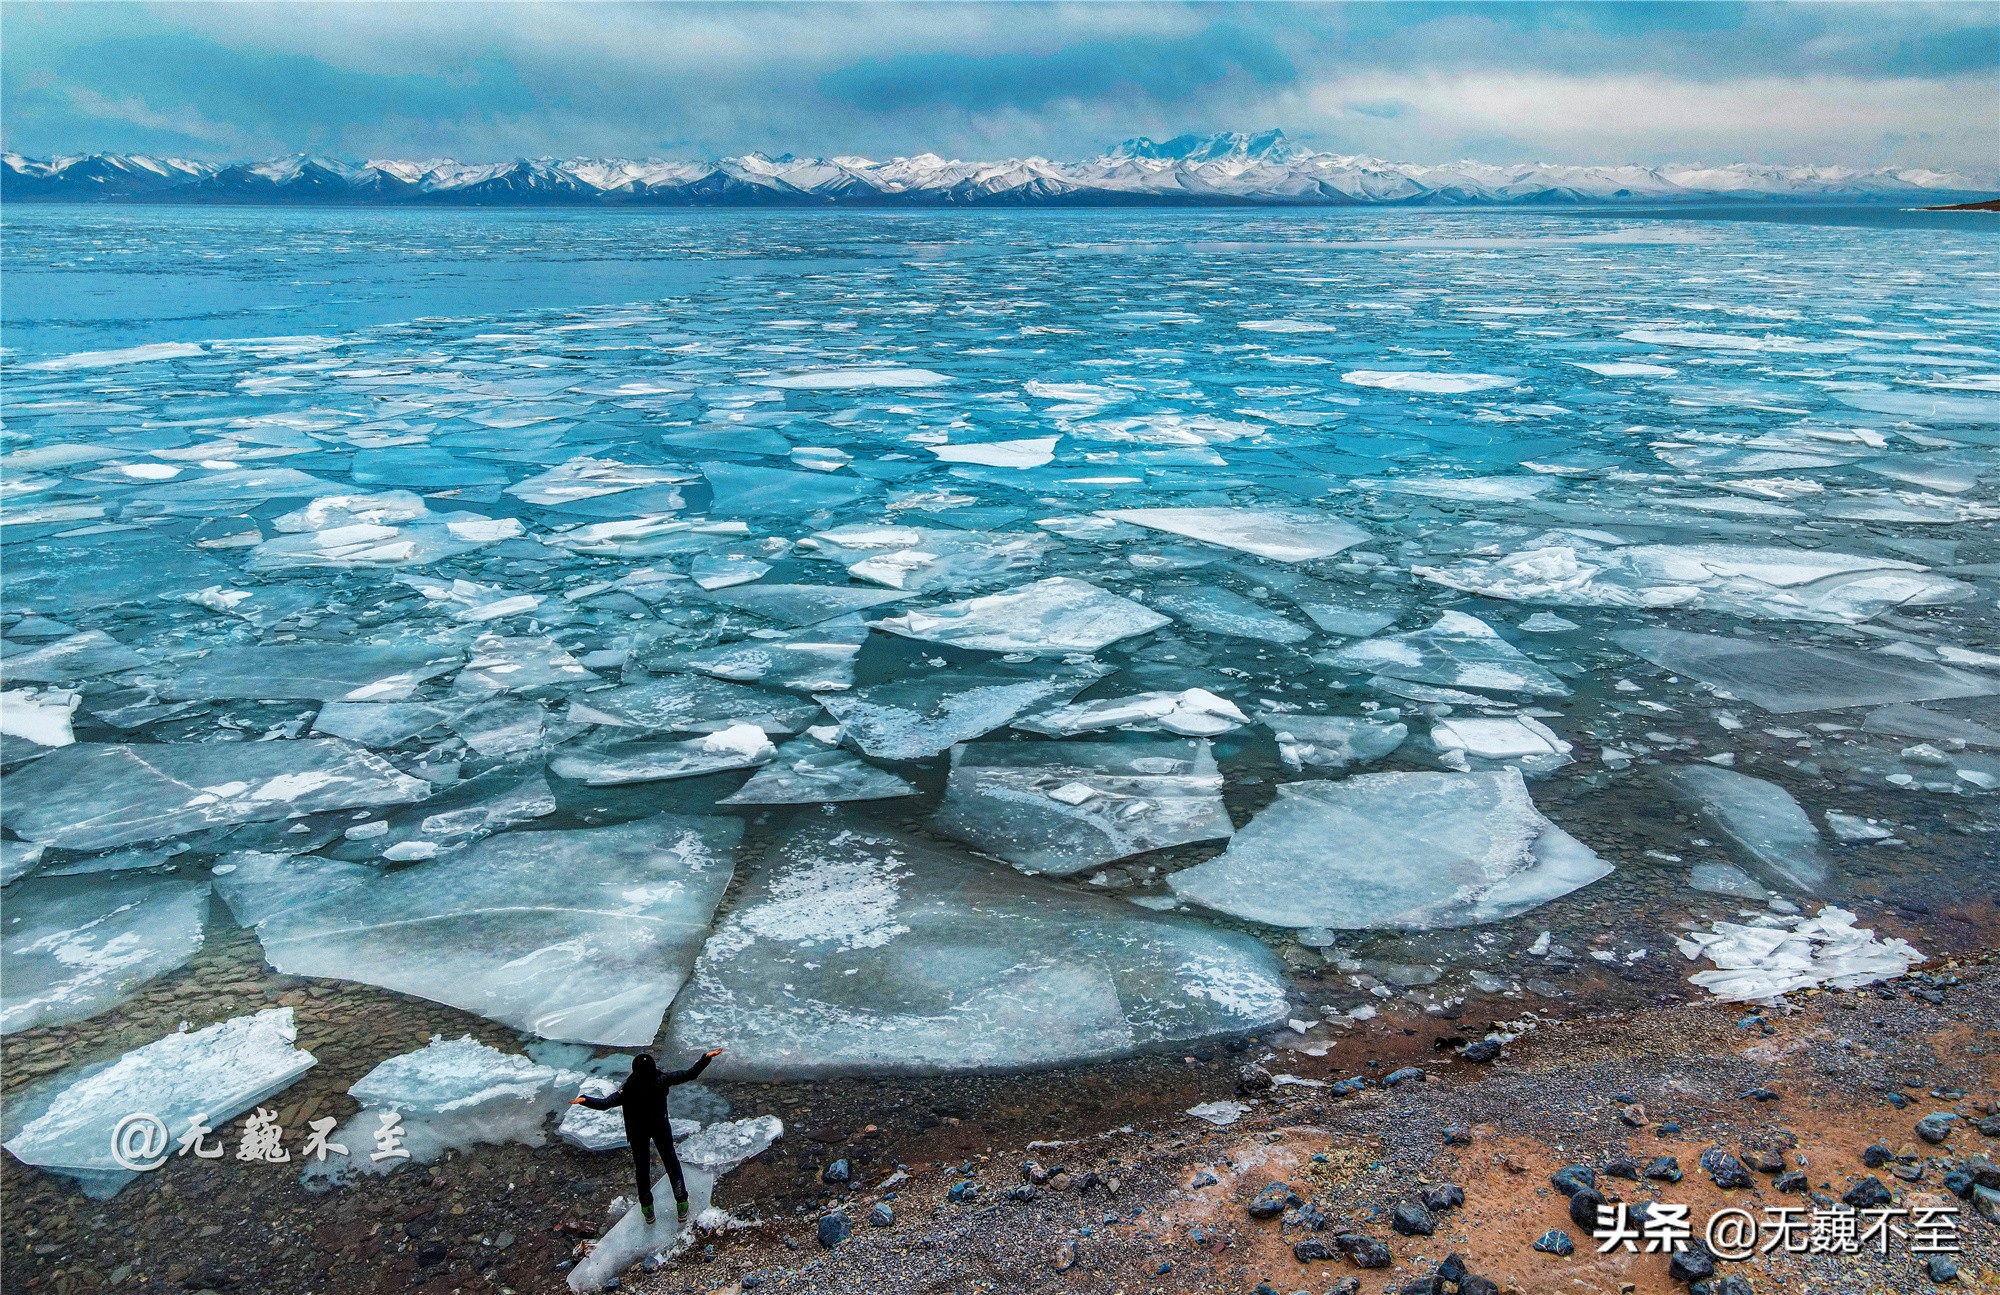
1865	84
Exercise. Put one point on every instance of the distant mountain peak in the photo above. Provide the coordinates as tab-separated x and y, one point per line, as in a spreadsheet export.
1226	146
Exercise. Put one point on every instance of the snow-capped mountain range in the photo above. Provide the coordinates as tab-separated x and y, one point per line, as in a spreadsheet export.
1225	169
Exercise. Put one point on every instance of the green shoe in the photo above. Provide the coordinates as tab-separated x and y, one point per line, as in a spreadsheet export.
647	1210
681	1210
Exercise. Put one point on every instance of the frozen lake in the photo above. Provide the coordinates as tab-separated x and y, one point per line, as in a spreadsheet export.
949	642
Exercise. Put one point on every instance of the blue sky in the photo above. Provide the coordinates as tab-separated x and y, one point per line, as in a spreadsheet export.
1856	84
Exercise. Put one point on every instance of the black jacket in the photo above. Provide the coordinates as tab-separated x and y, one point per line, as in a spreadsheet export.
644	1098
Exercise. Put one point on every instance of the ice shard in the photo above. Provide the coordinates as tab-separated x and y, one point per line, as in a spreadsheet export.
910	719
1393	851
1786	678
856	950
1049	617
210	1075
1214	610
94	795
1335	741
806	771
1059	808
691	704
1281	534
608	764
1762	819
309	672
581	935
1458	651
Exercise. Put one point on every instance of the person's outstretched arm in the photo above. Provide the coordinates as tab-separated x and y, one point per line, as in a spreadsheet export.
603	1103
682	1076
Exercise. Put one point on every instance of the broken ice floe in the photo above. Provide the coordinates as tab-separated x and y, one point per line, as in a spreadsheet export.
1458	651
1760	817
1062	807
1410	851
74	947
740	746
1786	678
208	1076
1194	712
39	716
93	796
1760	963
691	704
922	716
581	935
1281	534
1335	741
807	771
1466	742
1049	617
856	950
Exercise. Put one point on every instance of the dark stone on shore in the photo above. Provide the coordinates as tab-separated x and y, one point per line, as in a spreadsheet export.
1990	1126
1734	1286
1312	1250
1456	1135
1033	1171
1345	1286
1663	1169
1793	1181
1693	1264
1571	1179
1935	1128
1364	1250
834	1229
881	1216
1453	1268
1412	1219
1765	1162
1941	1269
1622	1167
1759	1095
1727	1171
1877	1155
1448	1196
1583	1207
1477	1285
1253	1080
1868	1194
1404	1075
837	1172
1481	1052
1273	1201
1555	1242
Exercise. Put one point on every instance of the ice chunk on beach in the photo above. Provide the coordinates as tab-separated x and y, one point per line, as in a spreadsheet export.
1193	712
1761	818
448	1095
582	935
1334	741
212	1074
1410	851
909	719
1459	651
94	795
309	672
1760	963
739	746
1786	678
705	1156
71	948
1049	618
1281	534
856	950
1059	808
1468	742
806	771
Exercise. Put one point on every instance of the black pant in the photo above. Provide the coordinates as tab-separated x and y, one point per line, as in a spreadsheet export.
642	1164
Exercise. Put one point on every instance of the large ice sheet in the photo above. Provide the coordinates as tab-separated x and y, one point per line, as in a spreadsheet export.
607	764
1214	610
922	559
1761	817
803	605
1335	741
71	948
909	719
96	795
1059	808
1194	712
1397	851
1787	678
820	659
856	950
331	672
691	704
1458	651
581	935
744	490
211	1074
1281	534
1050	617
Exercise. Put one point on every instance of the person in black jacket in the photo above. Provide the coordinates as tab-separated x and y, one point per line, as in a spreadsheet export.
644	1099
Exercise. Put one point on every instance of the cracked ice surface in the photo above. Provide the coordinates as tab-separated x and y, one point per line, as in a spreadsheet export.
577	935
214	1073
1400	850
956	965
